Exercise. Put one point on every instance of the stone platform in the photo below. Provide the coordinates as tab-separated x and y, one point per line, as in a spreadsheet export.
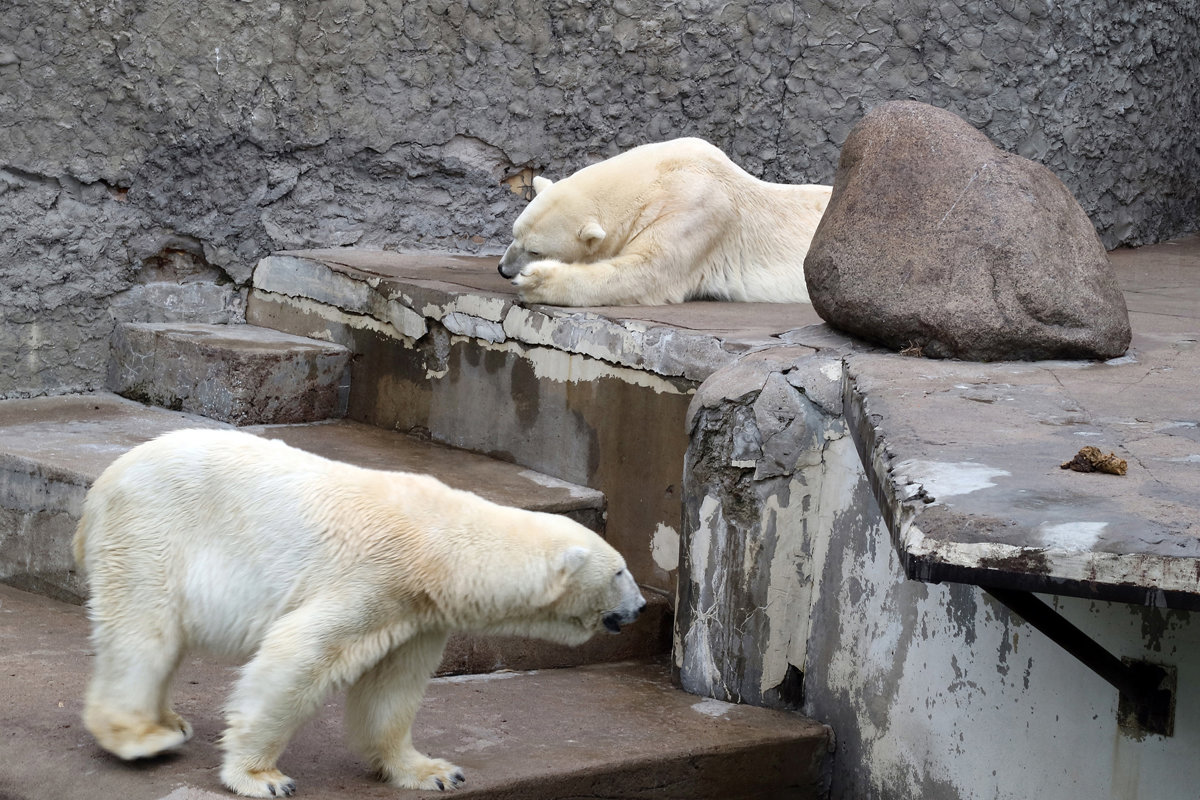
614	731
964	457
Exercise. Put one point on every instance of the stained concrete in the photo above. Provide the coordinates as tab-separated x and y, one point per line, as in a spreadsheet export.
375	448
593	396
966	457
816	592
619	731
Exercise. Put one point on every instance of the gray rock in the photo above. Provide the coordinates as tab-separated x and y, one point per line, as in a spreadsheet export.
938	242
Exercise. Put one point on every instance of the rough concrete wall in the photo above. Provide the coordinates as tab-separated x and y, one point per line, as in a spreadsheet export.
791	593
938	692
133	132
762	495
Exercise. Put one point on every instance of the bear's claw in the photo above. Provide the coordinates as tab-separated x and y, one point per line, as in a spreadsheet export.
258	783
427	773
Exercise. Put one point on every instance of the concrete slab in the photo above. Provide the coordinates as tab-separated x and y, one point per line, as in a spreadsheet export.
965	457
242	374
619	731
510	484
469	297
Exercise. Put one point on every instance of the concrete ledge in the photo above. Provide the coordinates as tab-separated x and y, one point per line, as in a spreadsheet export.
500	482
465	294
617	731
242	374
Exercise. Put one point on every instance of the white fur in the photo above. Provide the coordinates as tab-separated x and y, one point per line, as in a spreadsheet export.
664	223
325	576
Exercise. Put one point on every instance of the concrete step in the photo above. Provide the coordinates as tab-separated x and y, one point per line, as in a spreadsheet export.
443	346
241	374
52	449
612	731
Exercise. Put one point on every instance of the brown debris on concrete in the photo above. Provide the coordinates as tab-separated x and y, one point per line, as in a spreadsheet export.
1092	459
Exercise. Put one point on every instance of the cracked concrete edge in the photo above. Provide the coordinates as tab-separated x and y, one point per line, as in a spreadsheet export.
1143	578
405	311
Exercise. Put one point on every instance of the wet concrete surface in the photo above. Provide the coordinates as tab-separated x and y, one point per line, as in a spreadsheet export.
609	731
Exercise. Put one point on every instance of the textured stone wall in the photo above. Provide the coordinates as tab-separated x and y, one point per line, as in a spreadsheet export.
152	144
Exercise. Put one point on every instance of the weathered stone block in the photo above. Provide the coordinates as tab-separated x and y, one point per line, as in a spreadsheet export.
762	500
234	373
937	242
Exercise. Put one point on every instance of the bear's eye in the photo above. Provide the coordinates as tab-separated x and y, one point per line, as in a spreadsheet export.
620	571
534	253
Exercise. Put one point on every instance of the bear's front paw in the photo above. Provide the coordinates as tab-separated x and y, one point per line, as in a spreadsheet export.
535	280
258	782
426	773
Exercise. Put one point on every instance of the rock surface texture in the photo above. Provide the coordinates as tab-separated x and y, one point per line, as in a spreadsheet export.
144	143
937	242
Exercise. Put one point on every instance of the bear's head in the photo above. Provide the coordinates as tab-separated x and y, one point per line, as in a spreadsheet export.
558	225
549	577
598	590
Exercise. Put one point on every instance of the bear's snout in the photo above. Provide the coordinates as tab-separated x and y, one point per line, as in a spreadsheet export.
514	258
615	619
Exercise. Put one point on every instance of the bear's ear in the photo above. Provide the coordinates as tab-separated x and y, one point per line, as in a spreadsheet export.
541	184
592	234
564	565
571	559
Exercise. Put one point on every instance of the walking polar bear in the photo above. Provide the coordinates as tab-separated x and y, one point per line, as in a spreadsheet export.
664	223
327	576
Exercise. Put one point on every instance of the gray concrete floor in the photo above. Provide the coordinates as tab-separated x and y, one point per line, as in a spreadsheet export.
617	730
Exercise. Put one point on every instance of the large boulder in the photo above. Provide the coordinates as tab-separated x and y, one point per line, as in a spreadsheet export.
936	242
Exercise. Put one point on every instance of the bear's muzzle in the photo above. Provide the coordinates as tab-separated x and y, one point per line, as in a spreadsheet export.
515	258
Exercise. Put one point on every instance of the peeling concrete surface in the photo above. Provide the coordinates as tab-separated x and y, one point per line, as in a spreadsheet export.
466	296
937	691
763	497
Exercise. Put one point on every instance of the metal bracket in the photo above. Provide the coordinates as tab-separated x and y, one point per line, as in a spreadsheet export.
1147	702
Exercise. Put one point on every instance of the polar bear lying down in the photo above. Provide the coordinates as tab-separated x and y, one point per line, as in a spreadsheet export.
327	576
664	223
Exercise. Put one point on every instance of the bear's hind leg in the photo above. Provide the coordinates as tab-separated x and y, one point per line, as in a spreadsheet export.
126	708
381	706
